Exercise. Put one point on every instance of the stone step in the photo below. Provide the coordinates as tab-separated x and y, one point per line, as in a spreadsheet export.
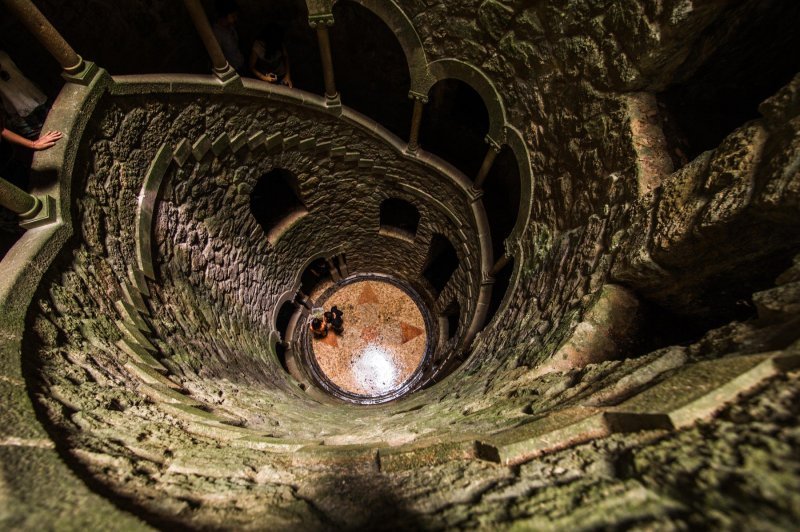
699	391
149	375
140	354
163	394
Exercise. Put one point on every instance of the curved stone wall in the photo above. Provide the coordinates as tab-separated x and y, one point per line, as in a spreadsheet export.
144	360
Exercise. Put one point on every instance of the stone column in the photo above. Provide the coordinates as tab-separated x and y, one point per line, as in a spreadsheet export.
18	201
321	23
220	65
488	161
416	119
75	68
500	264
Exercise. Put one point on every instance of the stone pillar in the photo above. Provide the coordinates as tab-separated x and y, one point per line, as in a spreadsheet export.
220	65
500	264
18	201
488	161
321	23
416	119
75	68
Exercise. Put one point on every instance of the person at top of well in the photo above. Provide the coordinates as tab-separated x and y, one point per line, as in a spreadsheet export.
44	142
228	37
26	106
269	60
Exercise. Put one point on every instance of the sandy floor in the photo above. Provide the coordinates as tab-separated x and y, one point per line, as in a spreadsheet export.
383	342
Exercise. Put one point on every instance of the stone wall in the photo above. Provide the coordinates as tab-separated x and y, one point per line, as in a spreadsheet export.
210	432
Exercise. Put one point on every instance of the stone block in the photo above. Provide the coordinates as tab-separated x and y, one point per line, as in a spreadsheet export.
557	430
276	445
149	375
134	335
201	147
163	394
139	353
700	390
238	141
291	142
220	144
193	413
416	455
307	144
256	140
182	152
274	141
128	313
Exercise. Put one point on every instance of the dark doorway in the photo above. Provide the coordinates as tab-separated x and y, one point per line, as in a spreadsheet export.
501	197
455	124
442	262
371	68
399	218
502	280
285	314
451	316
275	198
316	273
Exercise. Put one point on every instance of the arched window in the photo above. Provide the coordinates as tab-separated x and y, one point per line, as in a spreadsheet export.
455	124
276	202
285	314
442	262
502	280
371	68
448	321
399	218
315	274
501	197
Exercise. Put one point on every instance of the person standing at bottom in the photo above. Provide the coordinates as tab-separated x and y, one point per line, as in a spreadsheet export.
337	323
318	328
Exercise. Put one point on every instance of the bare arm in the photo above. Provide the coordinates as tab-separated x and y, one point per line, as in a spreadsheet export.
288	78
44	142
269	78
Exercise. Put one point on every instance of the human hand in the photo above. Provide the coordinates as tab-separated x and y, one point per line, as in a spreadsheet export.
48	140
272	78
288	82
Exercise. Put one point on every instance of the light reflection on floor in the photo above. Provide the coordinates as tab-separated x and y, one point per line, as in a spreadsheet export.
383	342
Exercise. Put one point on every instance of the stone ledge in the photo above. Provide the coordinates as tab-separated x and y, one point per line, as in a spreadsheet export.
414	455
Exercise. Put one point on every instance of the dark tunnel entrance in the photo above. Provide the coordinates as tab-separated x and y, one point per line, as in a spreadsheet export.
442	263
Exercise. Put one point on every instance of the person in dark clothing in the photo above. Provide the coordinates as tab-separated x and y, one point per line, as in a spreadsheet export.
337	323
225	30
268	58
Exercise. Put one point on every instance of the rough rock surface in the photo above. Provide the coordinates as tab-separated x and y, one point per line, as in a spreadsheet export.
208	431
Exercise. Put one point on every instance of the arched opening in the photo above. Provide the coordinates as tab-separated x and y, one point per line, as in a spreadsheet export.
502	280
455	124
399	218
371	68
755	54
501	198
315	274
285	314
448	321
299	39
442	263
275	202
